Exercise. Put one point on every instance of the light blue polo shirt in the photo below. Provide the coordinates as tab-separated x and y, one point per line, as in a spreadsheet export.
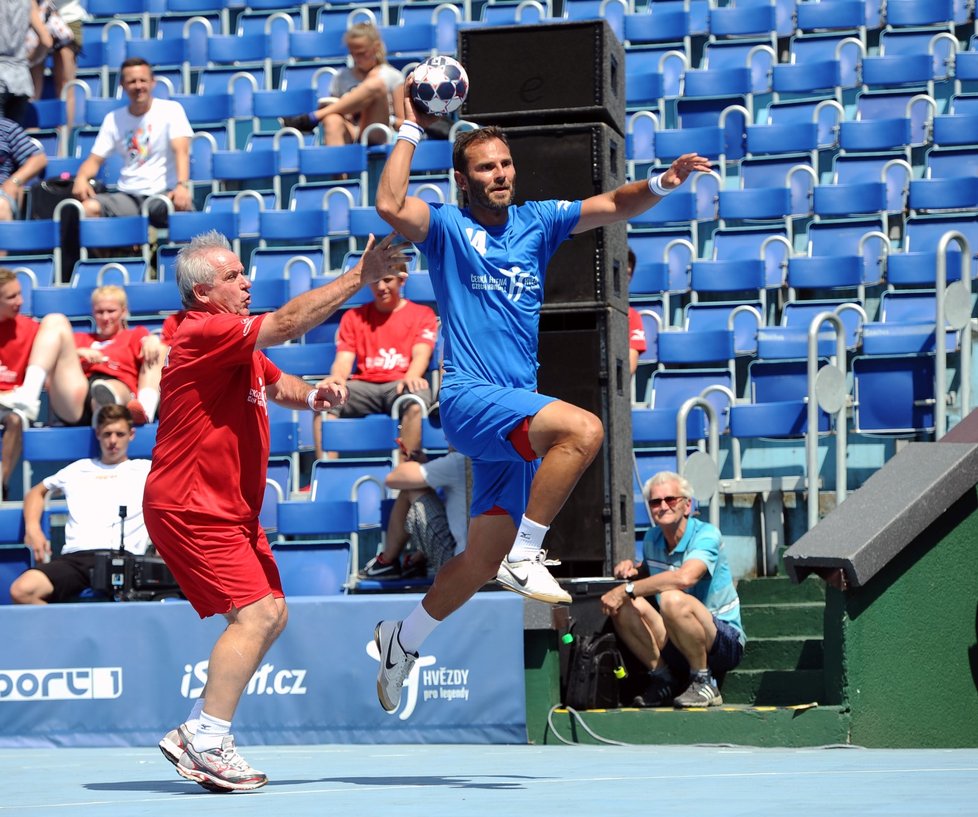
716	589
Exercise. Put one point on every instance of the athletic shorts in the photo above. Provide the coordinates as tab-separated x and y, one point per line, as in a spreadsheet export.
477	419
130	204
724	655
426	525
11	203
374	398
70	573
218	565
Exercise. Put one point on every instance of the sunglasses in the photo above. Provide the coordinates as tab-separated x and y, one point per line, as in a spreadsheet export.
671	501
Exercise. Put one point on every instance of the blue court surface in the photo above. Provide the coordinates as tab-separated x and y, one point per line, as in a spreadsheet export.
399	781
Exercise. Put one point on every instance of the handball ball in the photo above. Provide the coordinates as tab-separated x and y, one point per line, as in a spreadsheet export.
440	86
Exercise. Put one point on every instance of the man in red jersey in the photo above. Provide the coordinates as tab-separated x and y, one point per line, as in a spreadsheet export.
389	341
31	353
207	482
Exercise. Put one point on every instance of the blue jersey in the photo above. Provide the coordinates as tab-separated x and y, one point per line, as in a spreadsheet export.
700	541
488	283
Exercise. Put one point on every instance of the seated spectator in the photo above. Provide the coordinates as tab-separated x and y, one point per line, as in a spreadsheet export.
64	52
21	159
431	529
17	19
33	352
94	489
361	95
636	331
123	365
153	137
678	611
390	341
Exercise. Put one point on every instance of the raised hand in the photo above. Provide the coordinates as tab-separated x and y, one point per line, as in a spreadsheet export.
681	169
382	259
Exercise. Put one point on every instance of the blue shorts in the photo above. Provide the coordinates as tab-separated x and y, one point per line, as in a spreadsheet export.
477	419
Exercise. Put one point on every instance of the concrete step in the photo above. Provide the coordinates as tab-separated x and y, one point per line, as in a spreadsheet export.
804	619
741	725
782	653
779	590
767	687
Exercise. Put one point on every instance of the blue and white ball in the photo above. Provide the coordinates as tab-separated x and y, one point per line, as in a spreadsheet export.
440	86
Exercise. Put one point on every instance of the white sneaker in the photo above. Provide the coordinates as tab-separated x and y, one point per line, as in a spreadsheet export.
395	664
531	578
16	400
174	742
102	394
220	769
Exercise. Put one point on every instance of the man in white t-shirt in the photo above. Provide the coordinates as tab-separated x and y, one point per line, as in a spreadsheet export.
153	137
435	529
94	490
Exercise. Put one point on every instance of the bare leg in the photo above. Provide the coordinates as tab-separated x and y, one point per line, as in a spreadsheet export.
54	351
31	587
461	576
13	444
690	626
640	626
568	438
411	428
64	69
239	651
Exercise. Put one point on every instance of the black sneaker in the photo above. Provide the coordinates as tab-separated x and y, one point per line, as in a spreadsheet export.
659	692
301	122
375	569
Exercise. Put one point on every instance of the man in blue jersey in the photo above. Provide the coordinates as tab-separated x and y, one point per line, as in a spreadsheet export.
695	622
487	263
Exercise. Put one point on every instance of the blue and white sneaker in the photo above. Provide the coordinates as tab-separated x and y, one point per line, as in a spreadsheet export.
395	664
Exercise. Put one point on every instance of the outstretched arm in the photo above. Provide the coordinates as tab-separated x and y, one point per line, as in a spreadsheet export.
631	199
408	215
311	308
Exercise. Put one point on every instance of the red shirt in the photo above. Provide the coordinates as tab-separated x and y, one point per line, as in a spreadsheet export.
170	324
382	341
124	351
636	331
16	339
212	444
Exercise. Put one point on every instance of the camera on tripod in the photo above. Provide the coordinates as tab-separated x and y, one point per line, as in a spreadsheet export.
125	576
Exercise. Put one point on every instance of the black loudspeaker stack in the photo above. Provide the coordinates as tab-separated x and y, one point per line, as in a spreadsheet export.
558	91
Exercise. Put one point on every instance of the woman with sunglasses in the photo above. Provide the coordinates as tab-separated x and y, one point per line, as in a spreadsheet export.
678	611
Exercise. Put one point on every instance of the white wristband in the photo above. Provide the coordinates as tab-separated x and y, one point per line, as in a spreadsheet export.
655	186
410	132
311	399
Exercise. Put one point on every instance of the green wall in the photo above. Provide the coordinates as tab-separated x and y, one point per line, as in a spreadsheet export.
902	652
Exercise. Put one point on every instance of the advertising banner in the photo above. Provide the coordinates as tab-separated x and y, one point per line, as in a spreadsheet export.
122	674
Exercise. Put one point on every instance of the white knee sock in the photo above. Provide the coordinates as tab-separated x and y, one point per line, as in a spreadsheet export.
210	732
415	628
149	399
529	539
34	379
193	719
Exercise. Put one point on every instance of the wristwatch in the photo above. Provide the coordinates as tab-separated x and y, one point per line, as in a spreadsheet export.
630	589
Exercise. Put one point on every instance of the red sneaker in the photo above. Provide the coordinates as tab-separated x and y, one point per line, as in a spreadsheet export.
139	416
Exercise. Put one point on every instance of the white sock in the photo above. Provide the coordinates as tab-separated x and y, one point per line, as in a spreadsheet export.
193	719
34	379
149	399
210	732
415	628
529	539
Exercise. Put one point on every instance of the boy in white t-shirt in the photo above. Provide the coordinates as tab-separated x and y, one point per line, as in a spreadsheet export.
94	490
153	137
